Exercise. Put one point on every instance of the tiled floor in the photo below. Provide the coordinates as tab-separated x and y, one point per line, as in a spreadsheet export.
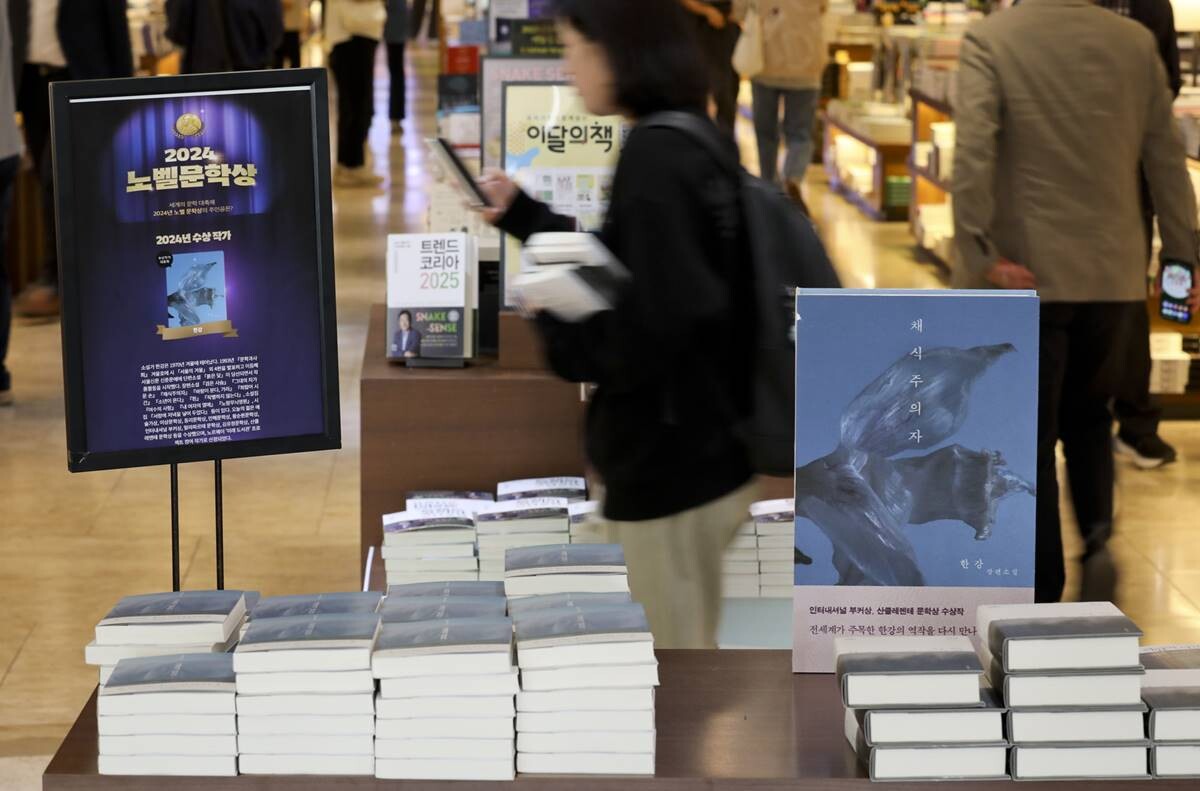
71	545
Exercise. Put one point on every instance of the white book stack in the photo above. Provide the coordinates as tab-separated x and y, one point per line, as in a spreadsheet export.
160	624
512	524
445	707
1072	679
739	565
572	488
305	695
565	568
169	715
588	675
585	518
1172	691
431	543
775	533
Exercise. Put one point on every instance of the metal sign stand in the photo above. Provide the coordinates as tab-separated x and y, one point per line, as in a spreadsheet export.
220	520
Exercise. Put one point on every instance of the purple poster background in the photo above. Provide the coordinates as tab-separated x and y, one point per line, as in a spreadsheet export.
270	261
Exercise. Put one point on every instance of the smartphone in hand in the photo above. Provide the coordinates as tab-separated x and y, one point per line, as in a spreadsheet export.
1178	279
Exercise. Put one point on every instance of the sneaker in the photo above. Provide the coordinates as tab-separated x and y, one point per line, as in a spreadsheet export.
1146	453
355	177
37	302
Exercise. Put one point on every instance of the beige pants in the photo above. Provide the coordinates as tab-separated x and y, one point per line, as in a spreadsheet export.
675	566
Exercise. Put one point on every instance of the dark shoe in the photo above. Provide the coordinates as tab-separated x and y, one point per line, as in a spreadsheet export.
1099	577
1148	452
6	397
37	302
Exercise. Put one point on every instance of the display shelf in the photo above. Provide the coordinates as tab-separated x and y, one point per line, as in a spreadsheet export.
726	720
890	160
925	175
928	187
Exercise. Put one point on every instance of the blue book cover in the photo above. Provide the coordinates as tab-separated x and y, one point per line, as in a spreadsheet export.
916	459
529	605
565	559
568	625
174	673
447	636
319	603
407	609
179	606
444	589
342	630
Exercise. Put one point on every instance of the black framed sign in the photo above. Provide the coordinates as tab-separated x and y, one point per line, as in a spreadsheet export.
196	259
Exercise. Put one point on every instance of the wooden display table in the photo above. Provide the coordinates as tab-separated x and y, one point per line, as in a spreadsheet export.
726	720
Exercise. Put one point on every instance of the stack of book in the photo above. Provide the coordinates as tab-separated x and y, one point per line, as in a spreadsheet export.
430	542
160	624
452	589
1072	681
169	715
445	708
1171	689
565	568
775	532
305	695
916	708
588	674
585	517
573	489
511	524
739	565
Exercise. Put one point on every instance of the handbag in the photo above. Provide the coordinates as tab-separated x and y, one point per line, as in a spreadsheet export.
364	18
748	54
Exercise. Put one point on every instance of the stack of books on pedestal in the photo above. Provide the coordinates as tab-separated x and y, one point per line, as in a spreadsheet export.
775	531
1171	689
739	565
305	695
588	674
572	489
513	524
313	604
169	715
445	708
565	568
916	709
1072	681
159	624
584	518
429	543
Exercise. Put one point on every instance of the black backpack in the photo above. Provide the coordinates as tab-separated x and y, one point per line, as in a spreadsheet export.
785	253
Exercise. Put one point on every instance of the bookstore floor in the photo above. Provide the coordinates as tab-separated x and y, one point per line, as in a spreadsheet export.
70	545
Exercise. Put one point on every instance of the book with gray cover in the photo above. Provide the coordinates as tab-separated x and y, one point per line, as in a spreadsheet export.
572	626
983	725
1080	761
447	636
317	604
406	609
175	673
1058	689
434	517
895	673
927	761
532	605
349	630
574	489
1171	665
1085	724
209	606
548	514
565	559
1174	713
448	589
1177	760
1031	644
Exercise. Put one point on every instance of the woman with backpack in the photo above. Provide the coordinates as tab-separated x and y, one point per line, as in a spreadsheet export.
671	360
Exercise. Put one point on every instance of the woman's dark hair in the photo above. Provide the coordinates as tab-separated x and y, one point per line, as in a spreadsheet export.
652	48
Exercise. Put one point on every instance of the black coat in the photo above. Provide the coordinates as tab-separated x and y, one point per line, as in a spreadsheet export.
225	35
93	34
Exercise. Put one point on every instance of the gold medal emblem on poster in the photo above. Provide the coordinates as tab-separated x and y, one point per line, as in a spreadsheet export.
189	125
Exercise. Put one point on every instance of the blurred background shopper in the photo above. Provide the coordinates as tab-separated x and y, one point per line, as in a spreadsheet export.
670	380
225	35
294	18
10	158
395	34
794	56
353	29
717	36
1031	104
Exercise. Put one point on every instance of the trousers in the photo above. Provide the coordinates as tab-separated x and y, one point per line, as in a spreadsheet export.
353	64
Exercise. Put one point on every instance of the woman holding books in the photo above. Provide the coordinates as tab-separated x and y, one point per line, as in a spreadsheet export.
669	359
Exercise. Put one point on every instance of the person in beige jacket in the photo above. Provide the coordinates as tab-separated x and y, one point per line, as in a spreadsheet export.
1058	102
794	55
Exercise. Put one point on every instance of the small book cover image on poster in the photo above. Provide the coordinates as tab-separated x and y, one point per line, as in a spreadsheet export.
196	293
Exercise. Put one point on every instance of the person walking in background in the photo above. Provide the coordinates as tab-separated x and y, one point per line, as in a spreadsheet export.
59	40
1038	204
718	37
294	18
353	29
418	18
793	60
225	35
677	481
1138	412
10	159
395	34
